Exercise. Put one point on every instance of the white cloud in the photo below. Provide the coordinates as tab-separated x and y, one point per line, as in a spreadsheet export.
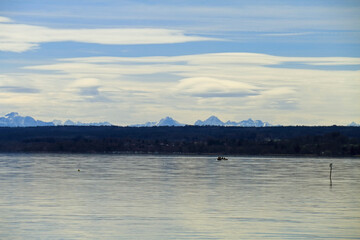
7	45
335	62
22	37
280	91
85	82
211	87
5	19
228	58
287	34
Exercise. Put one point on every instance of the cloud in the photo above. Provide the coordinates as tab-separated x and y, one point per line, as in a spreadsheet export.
287	34
93	94
280	91
89	91
15	89
5	19
228	58
22	37
85	82
211	87
335	62
8	46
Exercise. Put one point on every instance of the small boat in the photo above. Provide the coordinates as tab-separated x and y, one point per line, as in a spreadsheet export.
221	158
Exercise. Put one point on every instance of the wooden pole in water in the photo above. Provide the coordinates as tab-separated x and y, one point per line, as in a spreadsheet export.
330	173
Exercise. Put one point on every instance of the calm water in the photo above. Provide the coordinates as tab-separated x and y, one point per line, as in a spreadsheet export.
177	197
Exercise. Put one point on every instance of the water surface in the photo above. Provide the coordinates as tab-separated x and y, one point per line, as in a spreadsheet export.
43	196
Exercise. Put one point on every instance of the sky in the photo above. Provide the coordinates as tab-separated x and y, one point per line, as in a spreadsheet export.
128	62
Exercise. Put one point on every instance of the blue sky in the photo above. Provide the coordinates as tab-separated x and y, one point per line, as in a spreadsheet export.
285	62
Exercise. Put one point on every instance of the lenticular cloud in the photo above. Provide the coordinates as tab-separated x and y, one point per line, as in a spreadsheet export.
22	37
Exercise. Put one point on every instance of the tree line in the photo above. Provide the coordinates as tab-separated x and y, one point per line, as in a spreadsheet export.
314	141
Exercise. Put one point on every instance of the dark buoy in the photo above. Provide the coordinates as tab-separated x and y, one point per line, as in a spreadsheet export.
78	170
330	173
221	158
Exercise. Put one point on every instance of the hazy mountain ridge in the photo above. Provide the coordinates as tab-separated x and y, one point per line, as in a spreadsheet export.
211	121
214	121
13	119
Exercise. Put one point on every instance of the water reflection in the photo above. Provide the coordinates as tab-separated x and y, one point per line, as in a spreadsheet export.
164	197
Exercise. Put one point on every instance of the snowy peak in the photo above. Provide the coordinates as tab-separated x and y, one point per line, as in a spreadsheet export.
214	121
252	123
354	124
12	115
168	121
211	121
147	124
13	119
72	123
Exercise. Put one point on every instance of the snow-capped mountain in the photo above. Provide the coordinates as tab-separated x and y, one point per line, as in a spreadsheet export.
252	123
15	120
147	124
354	124
214	121
211	121
71	123
168	121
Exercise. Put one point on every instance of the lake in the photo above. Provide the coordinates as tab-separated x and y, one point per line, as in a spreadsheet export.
44	196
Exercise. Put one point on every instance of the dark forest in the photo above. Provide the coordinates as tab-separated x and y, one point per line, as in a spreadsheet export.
312	141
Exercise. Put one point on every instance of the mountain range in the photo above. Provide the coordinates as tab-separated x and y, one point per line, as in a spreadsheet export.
13	119
214	121
211	121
